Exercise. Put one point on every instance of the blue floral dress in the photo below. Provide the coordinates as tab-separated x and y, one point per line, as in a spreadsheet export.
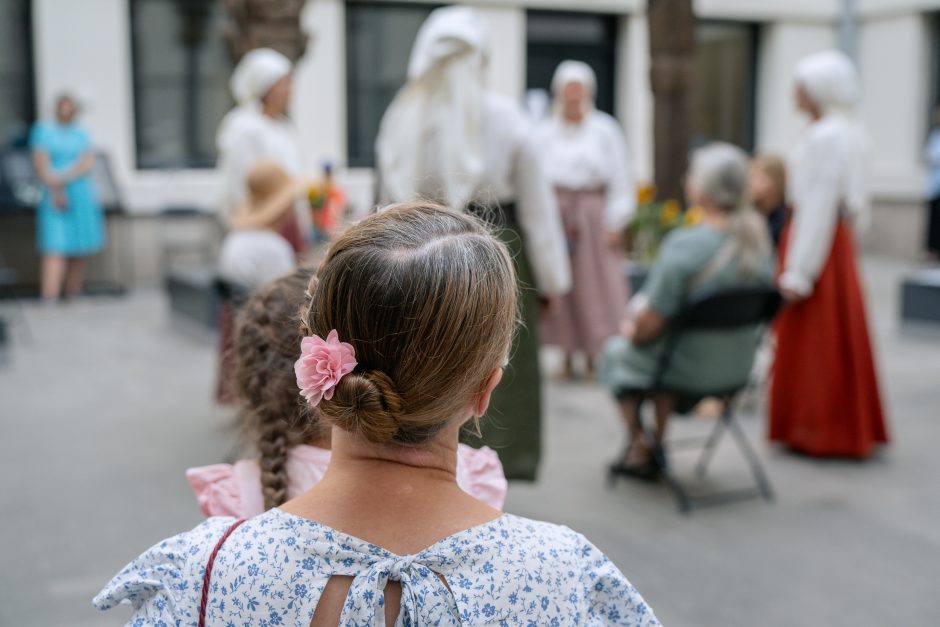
78	229
273	569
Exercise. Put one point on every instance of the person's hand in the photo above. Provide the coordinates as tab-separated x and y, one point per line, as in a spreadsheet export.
791	296
549	304
59	200
627	328
615	239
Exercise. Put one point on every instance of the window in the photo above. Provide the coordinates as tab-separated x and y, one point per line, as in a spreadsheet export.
181	73
552	37
379	36
723	89
17	106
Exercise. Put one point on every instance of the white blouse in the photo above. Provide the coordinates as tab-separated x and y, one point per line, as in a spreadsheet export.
515	171
272	570
590	155
827	177
246	136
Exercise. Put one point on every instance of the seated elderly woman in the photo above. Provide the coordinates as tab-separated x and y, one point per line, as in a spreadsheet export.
729	248
407	326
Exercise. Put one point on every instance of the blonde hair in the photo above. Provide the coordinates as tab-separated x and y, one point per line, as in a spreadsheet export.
775	170
427	297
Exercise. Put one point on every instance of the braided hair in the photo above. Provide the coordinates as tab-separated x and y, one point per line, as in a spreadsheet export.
273	416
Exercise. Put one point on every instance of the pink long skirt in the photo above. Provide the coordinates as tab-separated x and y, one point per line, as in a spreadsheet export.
591	312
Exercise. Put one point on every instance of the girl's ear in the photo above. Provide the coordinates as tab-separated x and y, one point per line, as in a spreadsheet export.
482	402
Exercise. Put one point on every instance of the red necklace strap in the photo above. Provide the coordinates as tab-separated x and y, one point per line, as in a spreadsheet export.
204	602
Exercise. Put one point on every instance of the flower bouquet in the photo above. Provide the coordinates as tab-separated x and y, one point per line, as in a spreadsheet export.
653	221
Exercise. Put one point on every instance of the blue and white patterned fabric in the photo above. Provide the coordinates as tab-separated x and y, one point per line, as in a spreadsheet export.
273	569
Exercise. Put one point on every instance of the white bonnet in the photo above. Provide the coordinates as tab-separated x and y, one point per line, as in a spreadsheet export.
256	73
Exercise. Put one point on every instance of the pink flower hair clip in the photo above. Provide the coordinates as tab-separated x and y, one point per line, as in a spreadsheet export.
321	365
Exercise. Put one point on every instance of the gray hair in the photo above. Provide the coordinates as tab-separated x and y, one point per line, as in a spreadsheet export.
719	171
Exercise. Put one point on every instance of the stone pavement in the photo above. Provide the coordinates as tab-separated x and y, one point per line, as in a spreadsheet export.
109	401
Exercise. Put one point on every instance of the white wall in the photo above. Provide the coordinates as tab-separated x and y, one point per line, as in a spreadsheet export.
506	72
86	46
782	44
894	65
319	99
634	96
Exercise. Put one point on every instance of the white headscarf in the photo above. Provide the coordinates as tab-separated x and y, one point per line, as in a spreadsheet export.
256	73
830	80
574	72
430	141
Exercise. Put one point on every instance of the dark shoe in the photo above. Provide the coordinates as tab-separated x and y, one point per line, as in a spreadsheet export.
647	471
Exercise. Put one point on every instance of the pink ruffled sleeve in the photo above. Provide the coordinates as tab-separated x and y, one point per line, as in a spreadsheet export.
480	474
217	490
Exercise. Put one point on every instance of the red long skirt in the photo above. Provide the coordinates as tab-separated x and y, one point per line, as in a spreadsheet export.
825	399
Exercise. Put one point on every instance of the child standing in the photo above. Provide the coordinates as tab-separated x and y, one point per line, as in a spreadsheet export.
291	439
767	185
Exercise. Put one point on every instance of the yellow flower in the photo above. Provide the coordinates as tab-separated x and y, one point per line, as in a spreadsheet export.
669	213
315	195
645	193
693	216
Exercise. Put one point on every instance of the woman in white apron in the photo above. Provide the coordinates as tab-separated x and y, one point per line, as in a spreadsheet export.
586	160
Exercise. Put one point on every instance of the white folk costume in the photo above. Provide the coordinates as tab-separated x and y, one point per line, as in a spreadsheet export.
247	136
446	138
589	166
825	398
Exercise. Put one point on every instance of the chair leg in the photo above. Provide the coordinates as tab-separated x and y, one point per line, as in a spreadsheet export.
682	497
711	443
750	455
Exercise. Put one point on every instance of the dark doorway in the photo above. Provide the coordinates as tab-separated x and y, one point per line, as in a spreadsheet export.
554	36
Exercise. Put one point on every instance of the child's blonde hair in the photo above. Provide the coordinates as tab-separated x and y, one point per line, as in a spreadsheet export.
776	170
427	297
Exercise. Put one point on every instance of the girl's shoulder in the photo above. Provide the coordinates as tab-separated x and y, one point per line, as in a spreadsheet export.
555	568
164	582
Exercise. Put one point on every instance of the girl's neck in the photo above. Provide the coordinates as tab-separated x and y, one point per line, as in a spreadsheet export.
402	498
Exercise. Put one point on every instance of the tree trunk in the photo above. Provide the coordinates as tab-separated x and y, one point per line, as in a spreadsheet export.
672	52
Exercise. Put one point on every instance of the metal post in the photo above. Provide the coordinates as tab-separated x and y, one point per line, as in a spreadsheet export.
848	28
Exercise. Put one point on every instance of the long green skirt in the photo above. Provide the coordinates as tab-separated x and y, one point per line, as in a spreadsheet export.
513	426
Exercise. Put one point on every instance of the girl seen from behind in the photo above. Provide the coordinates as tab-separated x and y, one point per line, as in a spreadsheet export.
290	438
406	331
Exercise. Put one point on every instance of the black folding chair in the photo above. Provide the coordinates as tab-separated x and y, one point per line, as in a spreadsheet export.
724	310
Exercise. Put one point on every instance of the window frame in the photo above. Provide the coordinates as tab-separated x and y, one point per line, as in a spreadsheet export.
29	99
190	161
754	32
608	48
359	161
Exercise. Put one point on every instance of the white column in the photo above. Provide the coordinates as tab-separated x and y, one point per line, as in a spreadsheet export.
634	94
893	56
782	45
506	73
319	99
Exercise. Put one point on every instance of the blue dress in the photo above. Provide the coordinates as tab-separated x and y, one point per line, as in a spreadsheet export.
272	570
78	229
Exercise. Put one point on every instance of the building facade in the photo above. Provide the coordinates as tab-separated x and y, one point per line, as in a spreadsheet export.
153	77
